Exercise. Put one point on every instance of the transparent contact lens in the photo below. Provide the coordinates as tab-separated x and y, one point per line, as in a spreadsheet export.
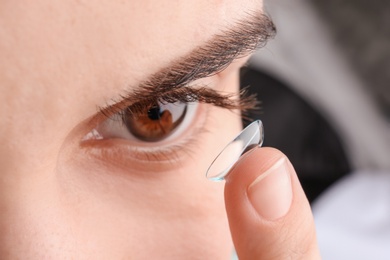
252	136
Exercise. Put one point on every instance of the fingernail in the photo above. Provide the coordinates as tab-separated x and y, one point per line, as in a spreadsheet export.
271	192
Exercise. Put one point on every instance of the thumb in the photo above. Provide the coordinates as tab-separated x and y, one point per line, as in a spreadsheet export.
269	215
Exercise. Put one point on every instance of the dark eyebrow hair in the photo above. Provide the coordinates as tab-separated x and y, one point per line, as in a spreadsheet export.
215	55
170	84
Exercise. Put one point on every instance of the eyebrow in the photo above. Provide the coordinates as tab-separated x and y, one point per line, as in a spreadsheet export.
171	83
242	39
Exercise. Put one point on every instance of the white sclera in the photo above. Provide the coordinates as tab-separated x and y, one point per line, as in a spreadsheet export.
250	137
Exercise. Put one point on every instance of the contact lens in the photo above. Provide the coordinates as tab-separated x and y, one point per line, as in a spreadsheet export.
252	136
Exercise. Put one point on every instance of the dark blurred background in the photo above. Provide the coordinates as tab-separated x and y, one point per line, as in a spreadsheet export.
361	29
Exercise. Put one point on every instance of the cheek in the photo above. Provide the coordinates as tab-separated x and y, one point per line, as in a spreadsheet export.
173	210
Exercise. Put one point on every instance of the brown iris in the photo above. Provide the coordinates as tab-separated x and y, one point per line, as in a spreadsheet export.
155	122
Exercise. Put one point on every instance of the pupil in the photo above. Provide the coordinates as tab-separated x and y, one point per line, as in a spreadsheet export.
154	113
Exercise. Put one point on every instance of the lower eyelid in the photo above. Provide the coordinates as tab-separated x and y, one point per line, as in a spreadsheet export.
119	154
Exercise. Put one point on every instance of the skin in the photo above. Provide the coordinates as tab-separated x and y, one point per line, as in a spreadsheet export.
58	200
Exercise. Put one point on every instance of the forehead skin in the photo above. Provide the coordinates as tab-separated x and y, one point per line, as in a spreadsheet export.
59	61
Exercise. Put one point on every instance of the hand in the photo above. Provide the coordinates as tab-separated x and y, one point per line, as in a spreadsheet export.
269	215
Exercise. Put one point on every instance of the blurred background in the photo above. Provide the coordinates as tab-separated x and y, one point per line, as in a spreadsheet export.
324	87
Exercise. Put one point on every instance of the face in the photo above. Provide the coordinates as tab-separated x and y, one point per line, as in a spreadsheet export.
110	115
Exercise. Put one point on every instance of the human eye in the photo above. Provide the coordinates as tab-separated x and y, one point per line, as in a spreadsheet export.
161	129
153	132
155	122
